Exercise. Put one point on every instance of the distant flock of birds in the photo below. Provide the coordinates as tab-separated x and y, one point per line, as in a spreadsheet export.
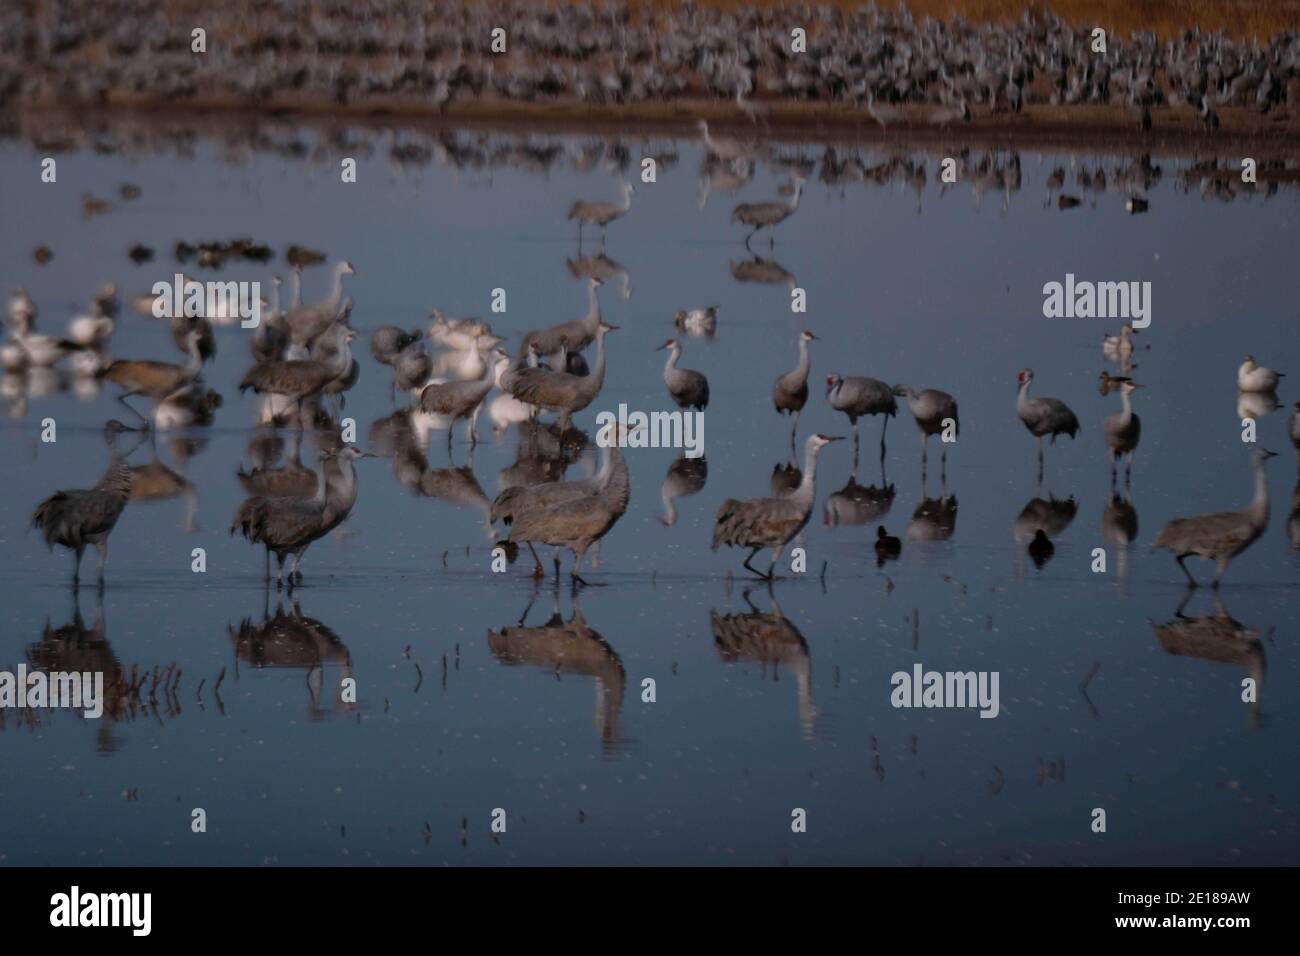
433	55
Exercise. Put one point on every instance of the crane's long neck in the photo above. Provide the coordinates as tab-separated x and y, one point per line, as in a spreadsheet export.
322	485
671	364
598	367
116	479
336	292
295	299
344	494
801	370
794	200
627	199
1022	397
275	298
1126	414
342	361
806	491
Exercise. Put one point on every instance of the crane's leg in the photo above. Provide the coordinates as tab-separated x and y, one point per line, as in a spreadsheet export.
602	237
1191	581
1220	567
131	408
757	573
771	236
882	438
76	568
794	427
266	578
1040	459
279	569
577	562
295	576
925	454
749	237
1128	470
538	572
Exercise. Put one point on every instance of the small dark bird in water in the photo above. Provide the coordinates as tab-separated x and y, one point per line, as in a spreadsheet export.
184	251
1041	549
129	191
888	548
1133	205
1067	202
140	254
1109	383
42	254
302	256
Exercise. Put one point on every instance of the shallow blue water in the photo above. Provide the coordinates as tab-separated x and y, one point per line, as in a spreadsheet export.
936	291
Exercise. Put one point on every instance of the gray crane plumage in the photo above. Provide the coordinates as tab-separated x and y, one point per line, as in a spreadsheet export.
1123	430
857	396
931	409
769	215
686	387
574	335
770	522
559	391
81	517
790	391
1221	536
1043	416
462	399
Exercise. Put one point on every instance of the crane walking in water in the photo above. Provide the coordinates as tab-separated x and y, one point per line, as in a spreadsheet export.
771	522
1222	536
768	215
1043	416
790	393
80	517
600	213
1123	429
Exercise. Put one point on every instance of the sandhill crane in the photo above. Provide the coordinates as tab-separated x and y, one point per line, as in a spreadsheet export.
305	322
1043	416
297	379
600	213
685	476
387	341
882	113
697	321
412	366
79	517
1116	345
768	639
1222	536
289	525
725	149
1122	430
458	334
575	524
770	522
559	391
856	397
462	399
933	410
1255	378
687	387
888	547
157	380
759	215
516	501
575	335
790	393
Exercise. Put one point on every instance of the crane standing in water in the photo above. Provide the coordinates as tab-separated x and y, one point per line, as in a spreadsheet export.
790	392
77	518
1043	416
1223	535
770	522
1123	429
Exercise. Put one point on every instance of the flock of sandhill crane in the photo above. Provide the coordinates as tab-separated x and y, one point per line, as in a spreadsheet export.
745	57
303	359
